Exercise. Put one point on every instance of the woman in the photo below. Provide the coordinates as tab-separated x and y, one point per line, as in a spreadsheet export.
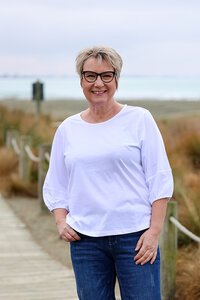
108	185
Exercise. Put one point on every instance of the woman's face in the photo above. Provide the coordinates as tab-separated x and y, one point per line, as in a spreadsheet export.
98	92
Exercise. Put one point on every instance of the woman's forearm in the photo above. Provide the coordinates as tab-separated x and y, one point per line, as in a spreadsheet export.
159	208
60	214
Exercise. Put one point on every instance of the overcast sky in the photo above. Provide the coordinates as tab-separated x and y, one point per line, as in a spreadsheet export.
154	37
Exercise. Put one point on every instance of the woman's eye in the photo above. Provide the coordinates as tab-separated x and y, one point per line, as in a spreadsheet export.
107	77
90	76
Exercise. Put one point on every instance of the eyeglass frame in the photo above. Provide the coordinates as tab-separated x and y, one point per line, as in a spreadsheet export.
99	74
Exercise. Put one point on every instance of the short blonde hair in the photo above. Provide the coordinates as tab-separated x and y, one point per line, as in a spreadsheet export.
100	53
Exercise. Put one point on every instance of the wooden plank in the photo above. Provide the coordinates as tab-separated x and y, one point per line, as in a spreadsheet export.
26	271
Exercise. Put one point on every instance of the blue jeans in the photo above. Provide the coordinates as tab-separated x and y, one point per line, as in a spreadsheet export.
97	261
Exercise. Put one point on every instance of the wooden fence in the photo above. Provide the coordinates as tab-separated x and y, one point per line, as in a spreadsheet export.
168	241
22	147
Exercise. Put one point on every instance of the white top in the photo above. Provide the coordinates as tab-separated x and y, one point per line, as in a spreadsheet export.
106	175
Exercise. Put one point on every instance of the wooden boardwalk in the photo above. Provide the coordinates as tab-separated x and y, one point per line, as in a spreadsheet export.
26	271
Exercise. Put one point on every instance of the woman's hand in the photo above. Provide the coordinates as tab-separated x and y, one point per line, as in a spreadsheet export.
147	247
66	233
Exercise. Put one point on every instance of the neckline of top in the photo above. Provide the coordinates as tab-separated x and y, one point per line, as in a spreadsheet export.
103	122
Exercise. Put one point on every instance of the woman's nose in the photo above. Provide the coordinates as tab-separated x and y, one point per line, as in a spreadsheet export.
98	81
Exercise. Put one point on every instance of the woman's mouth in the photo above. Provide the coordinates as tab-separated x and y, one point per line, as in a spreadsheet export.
98	92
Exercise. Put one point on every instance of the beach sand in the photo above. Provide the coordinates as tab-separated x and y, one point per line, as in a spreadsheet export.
60	109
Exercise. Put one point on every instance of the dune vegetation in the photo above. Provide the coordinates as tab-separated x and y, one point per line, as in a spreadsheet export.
181	135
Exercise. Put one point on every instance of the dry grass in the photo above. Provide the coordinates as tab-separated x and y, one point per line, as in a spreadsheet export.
8	161
10	183
8	166
182	139
40	130
20	187
188	275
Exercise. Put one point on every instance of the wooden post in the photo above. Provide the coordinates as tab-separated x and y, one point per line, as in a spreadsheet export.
11	134
168	247
38	95
44	150
24	161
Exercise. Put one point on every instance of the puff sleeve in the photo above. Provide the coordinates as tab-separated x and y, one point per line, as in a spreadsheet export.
55	186
156	167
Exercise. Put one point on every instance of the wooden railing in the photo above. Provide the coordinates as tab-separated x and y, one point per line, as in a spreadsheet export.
22	147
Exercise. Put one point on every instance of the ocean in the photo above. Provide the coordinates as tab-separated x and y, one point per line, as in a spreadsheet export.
130	87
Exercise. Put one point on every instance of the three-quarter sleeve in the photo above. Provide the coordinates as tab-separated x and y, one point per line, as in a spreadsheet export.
55	185
155	162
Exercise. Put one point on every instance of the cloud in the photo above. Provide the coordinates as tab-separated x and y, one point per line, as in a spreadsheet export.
45	35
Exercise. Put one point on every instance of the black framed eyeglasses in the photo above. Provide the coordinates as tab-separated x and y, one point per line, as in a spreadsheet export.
92	76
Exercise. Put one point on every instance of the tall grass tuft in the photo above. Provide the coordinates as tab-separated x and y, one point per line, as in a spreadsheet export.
182	139
8	161
188	275
40	130
8	166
